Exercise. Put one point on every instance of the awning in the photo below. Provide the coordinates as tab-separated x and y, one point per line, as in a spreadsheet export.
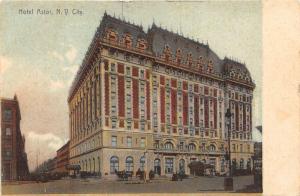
73	167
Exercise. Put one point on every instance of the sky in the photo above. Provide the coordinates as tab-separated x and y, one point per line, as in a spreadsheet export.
40	54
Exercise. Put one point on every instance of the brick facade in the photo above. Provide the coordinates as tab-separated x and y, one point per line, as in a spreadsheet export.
183	121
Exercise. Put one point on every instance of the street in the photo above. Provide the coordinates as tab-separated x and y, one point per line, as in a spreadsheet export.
93	185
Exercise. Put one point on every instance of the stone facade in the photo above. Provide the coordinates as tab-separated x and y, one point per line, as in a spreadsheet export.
157	101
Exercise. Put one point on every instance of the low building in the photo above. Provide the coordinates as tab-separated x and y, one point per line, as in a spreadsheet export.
62	158
13	155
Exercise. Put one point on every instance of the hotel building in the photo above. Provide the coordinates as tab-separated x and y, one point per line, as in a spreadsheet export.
156	101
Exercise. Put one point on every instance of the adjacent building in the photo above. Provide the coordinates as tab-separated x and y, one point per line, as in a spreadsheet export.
156	101
62	158
13	156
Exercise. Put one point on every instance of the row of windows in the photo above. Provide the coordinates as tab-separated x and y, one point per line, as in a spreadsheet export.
240	97
114	164
191	87
189	147
84	147
236	147
114	141
89	165
128	71
86	110
241	164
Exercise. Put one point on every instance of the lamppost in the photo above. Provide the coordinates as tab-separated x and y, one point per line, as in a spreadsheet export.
228	181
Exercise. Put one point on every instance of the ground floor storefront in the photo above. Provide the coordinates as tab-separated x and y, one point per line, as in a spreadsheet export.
107	161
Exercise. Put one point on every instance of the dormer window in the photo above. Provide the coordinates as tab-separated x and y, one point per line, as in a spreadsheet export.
111	35
200	63
178	55
127	40
210	66
167	53
189	59
141	44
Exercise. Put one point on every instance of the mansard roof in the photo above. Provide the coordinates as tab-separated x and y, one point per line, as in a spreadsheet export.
122	27
157	39
236	70
162	37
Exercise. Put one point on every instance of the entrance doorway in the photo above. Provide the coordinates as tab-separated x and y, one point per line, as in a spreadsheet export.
169	166
157	168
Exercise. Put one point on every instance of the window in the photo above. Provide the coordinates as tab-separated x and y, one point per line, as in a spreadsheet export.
129	125
7	114
8	131
212	148
129	141
129	164
142	75
168	165
114	141
142	163
242	164
168	145
241	147
202	147
181	145
249	164
192	147
114	164
233	146
128	73
142	142
182	165
222	165
156	144
7	154
113	67
142	127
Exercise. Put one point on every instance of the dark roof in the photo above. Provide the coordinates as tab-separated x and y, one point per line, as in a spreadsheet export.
157	39
122	27
162	37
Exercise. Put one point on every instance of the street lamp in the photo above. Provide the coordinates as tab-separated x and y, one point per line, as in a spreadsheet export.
228	181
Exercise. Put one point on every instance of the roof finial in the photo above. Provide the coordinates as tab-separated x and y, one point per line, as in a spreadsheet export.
105	14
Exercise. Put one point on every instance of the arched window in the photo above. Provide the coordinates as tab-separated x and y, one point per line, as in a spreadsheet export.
114	164
249	164
98	164
129	164
242	164
169	145
222	165
157	166
192	147
94	165
182	165
90	164
212	148
142	163
233	164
